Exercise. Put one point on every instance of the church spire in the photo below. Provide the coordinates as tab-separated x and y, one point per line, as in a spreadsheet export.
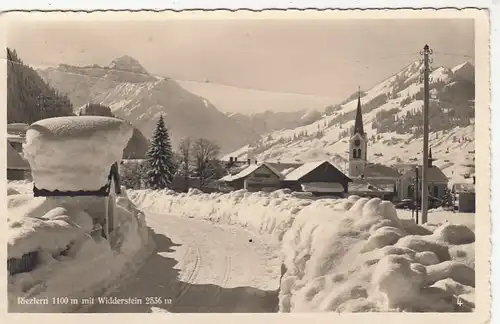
358	124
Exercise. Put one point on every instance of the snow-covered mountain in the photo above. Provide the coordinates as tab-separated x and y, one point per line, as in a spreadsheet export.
269	121
139	97
393	122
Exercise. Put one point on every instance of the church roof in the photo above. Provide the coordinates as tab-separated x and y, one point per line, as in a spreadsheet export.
358	124
434	174
375	170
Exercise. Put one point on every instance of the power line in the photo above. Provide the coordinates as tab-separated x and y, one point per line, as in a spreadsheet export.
453	54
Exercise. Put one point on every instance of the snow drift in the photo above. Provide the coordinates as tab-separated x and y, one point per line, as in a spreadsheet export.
75	153
65	254
343	255
56	245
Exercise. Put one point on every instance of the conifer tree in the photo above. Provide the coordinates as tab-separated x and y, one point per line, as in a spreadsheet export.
161	164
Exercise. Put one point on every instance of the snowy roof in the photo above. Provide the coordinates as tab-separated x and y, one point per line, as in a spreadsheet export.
434	174
379	170
17	128
363	185
14	160
284	168
127	161
464	187
305	169
75	126
16	138
249	170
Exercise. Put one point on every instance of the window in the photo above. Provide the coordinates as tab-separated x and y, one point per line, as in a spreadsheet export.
359	153
354	153
435	191
357	142
410	191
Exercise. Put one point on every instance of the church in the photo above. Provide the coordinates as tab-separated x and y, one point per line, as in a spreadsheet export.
377	180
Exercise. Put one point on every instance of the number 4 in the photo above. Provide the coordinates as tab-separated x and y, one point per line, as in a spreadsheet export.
459	301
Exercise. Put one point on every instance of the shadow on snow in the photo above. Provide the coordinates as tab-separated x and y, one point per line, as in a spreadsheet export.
159	278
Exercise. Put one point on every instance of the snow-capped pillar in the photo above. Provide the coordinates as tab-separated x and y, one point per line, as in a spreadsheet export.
72	158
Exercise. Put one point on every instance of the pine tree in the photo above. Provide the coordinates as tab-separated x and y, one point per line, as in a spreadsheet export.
161	164
447	199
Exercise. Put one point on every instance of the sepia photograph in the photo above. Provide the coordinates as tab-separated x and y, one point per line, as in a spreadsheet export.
247	163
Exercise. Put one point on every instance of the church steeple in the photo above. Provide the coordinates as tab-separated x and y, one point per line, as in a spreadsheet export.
358	144
430	159
358	124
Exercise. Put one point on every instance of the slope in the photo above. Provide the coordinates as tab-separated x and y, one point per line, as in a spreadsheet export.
392	118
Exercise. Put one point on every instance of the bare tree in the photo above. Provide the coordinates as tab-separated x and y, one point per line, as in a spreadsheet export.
185	148
204	152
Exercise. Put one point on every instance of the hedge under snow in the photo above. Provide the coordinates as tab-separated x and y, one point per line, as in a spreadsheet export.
344	255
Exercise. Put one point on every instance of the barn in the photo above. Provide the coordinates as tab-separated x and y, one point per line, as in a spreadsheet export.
255	177
320	178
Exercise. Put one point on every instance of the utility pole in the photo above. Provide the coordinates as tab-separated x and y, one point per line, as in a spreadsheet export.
425	189
416	194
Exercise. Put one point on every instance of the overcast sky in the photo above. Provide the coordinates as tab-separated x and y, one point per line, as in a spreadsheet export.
315	61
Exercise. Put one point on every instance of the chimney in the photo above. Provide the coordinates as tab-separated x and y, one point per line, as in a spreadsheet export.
249	161
235	159
255	161
473	179
231	159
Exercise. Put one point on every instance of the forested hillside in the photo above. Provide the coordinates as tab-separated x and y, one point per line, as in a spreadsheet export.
29	98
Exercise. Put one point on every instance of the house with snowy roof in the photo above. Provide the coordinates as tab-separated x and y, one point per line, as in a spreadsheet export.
319	178
254	177
437	180
464	197
17	166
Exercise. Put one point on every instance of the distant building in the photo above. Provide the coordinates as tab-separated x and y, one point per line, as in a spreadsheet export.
319	178
464	197
255	177
17	167
437	180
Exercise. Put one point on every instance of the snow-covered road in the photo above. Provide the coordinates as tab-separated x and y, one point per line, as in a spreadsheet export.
201	267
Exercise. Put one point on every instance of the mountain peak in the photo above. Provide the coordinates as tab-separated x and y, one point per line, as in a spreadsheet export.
127	63
464	71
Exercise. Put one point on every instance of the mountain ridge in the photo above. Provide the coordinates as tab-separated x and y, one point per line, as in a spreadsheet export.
392	119
141	98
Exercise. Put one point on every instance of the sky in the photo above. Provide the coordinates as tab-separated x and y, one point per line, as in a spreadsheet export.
253	65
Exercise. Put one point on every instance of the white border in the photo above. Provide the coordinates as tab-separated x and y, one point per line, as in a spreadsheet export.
257	5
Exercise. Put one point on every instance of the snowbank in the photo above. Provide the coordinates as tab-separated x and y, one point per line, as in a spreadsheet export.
55	238
264	213
75	153
343	255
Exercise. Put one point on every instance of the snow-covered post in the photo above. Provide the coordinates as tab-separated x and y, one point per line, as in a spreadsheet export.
76	158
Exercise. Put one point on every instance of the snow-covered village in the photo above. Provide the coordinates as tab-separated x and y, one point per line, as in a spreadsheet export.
241	167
